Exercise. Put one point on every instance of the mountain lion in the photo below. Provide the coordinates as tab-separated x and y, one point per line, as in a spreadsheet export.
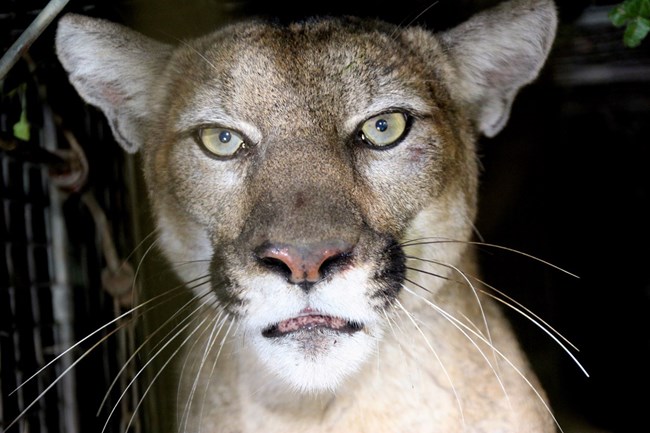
315	186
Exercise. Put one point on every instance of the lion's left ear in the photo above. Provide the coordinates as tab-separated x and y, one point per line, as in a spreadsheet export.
495	53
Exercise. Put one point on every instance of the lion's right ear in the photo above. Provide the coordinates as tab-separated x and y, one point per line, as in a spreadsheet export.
112	68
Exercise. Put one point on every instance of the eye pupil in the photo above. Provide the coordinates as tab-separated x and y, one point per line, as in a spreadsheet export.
225	136
385	129
381	125
221	142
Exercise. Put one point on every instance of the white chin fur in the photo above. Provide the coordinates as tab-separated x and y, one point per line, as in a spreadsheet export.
315	362
321	359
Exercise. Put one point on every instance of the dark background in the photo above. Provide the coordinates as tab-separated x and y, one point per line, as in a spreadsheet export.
567	181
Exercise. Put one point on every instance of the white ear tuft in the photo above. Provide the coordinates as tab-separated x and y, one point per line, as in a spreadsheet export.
112	68
498	51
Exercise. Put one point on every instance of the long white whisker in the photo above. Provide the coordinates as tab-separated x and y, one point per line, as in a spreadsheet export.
144	343
475	230
547	326
89	350
527	313
433	351
140	263
181	374
214	366
474	292
401	24
161	369
205	59
216	328
137	247
505	358
424	241
197	297
543	328
188	354
55	381
422	271
496	370
394	329
98	330
530	256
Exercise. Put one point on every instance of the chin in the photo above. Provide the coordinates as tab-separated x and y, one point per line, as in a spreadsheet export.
316	360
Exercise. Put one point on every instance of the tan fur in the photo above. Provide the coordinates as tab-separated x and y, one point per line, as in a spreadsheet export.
298	95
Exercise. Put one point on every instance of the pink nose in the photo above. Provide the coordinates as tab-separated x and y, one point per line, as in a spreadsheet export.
305	263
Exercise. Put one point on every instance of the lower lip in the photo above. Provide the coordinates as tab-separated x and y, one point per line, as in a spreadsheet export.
310	324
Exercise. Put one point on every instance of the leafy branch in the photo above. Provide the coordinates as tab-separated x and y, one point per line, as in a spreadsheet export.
635	16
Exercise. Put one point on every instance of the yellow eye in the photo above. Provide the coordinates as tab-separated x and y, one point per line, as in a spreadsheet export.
384	129
221	142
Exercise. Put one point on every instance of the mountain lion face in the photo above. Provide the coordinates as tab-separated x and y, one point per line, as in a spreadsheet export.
300	158
315	172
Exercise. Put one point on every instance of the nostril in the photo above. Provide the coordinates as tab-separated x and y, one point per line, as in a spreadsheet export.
275	265
304	264
335	262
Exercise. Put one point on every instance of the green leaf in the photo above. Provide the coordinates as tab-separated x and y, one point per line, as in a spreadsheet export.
618	16
637	29
633	7
635	14
626	11
21	128
644	9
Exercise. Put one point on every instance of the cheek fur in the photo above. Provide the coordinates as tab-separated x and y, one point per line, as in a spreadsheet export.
211	191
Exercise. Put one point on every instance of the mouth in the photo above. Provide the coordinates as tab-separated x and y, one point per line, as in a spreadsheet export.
312	322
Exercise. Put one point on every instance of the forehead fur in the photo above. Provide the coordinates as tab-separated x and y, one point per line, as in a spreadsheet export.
255	69
336	67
